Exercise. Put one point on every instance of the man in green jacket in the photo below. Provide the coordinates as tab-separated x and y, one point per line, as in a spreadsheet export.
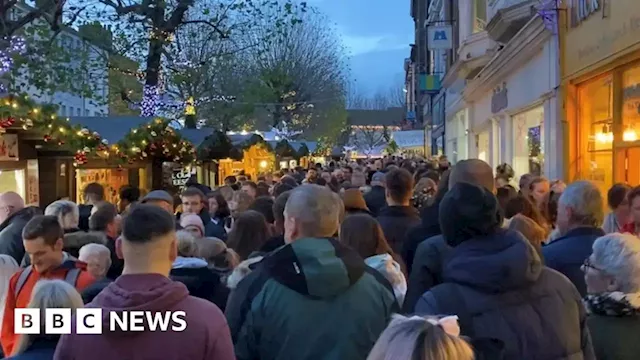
314	298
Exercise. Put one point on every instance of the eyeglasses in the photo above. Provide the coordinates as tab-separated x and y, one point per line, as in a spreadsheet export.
588	265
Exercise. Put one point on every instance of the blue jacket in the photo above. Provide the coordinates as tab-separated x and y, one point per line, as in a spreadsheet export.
566	254
499	288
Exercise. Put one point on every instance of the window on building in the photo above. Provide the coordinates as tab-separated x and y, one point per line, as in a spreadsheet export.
78	112
528	142
86	112
70	110
97	113
479	15
63	110
628	154
595	132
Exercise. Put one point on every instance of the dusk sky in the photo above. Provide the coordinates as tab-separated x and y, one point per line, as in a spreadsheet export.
377	34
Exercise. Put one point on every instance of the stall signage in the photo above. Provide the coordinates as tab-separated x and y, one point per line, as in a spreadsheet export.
581	10
33	189
499	99
180	176
8	147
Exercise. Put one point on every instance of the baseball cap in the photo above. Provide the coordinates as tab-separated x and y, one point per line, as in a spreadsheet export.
378	177
158	195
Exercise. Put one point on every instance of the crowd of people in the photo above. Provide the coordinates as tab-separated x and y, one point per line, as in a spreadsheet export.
389	259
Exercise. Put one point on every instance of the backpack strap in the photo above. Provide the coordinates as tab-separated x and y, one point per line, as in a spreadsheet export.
22	279
72	276
451	302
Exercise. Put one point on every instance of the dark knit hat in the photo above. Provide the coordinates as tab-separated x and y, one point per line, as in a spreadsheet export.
468	211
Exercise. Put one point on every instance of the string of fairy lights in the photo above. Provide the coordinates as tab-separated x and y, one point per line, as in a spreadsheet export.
17	45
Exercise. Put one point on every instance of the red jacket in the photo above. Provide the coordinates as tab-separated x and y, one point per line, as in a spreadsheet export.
629	228
8	338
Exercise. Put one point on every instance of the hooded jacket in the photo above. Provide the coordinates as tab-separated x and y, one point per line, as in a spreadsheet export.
495	282
206	335
396	222
201	281
9	338
390	269
11	232
311	299
567	253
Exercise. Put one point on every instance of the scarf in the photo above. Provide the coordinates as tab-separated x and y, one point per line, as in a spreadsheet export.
613	304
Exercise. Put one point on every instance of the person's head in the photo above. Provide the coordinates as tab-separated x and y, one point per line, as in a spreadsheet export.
192	223
531	231
473	171
216	253
128	195
218	206
161	199
326	176
377	179
248	234
354	202
187	246
358	179
230	180
148	242
67	213
339	175
421	338
49	294
8	267
633	198
278	212
93	193
250	188
504	175
468	211
42	239
617	199
539	188
399	187
264	205
263	189
240	203
106	220
98	259
614	265
193	201
347	171
363	233
311	212
443	162
312	175
580	205
10	203
523	184
280	189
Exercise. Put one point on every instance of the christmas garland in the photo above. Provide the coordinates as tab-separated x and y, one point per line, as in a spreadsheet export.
156	139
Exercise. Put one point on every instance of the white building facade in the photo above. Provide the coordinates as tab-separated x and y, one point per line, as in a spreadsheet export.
88	67
502	105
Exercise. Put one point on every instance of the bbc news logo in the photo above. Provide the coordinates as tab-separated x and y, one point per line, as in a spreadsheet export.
90	321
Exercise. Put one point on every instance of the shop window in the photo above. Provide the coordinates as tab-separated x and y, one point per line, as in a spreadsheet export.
595	132
628	159
528	142
13	180
484	152
111	179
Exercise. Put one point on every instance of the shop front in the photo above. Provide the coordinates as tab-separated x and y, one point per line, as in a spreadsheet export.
602	93
513	109
457	147
438	125
18	173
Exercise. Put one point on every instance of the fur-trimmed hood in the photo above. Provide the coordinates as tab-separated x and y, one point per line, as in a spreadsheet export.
242	270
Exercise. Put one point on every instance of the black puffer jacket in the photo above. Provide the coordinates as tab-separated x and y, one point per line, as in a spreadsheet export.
201	281
11	232
496	284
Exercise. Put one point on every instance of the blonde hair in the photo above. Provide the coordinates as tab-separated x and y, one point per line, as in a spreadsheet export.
216	253
67	213
531	230
49	294
8	267
187	246
408	338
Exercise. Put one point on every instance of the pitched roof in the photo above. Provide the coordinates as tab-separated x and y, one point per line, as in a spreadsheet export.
389	117
111	128
195	136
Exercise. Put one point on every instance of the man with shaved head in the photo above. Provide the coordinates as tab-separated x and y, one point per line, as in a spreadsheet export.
426	271
13	217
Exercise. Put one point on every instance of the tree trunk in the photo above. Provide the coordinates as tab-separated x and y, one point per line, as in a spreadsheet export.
151	96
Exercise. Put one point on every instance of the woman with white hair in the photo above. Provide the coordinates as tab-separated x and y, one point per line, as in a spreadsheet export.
47	294
612	275
8	267
68	216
